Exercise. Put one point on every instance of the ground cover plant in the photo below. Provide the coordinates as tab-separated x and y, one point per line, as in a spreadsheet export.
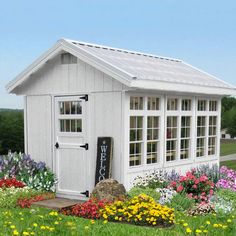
40	222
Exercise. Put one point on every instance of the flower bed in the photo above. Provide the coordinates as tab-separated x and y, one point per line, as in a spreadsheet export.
140	210
22	167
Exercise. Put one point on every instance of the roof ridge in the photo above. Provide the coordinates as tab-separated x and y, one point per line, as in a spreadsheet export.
121	50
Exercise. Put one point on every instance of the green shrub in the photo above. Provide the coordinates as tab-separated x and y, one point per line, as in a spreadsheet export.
180	202
135	191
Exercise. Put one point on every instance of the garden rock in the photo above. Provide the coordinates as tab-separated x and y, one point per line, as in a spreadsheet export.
109	189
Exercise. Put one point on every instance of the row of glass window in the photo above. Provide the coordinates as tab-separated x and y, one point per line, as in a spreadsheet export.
174	145
153	103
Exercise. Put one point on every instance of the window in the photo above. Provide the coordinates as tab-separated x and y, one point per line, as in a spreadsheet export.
153	103
70	107
136	137
136	103
201	105
70	116
186	105
71	125
212	105
201	136
172	104
152	138
185	137
212	135
67	58
171	136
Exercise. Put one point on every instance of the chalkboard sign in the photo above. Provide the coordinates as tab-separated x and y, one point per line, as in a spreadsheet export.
104	157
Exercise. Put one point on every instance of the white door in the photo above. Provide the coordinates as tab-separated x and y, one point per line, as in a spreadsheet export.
71	145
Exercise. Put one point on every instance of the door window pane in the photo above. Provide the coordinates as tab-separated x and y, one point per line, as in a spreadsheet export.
70	125
70	108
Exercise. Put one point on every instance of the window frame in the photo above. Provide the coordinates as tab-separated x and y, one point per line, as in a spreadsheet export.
145	113
59	116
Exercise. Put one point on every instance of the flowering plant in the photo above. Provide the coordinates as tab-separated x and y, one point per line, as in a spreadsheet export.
139	210
89	209
227	179
22	167
156	179
27	201
166	195
199	189
11	182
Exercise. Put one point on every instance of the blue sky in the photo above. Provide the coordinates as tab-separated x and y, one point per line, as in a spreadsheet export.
203	33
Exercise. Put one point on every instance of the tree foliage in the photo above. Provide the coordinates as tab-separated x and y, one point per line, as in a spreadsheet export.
228	121
11	131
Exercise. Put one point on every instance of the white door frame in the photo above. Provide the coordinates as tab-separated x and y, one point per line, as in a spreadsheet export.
84	134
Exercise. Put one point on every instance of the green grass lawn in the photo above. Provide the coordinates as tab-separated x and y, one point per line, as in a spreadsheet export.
228	148
40	222
229	164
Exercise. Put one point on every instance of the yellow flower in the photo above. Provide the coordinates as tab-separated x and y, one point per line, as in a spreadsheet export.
185	224
12	226
35	224
205	231
92	222
42	227
198	231
208	222
229	220
215	225
86	227
25	233
188	230
105	221
15	232
56	223
104	216
224	226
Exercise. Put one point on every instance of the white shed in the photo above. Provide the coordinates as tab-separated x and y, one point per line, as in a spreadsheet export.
161	113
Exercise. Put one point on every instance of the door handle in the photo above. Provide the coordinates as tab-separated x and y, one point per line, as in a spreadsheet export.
85	146
57	145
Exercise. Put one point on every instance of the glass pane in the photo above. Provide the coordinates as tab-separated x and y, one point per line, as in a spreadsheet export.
79	125
78	108
73	129
132	135
67	108
133	122
61	106
153	103
67	125
139	122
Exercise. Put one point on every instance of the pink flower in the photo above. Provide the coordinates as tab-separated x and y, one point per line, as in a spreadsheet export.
194	186
180	188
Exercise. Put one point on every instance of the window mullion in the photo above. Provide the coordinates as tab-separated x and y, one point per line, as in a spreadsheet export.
144	156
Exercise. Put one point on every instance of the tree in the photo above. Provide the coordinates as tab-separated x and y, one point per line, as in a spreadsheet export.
11	131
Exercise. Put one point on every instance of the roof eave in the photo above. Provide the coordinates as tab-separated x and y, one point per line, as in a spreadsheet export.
183	88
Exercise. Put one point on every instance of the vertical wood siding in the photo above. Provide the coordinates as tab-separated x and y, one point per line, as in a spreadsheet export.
57	79
39	128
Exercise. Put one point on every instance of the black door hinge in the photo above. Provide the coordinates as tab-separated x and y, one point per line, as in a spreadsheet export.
57	145
85	146
86	193
85	97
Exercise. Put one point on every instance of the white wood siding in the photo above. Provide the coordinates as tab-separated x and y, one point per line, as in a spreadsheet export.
70	79
39	128
106	117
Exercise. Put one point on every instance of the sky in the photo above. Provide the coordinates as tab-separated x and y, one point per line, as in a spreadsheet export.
200	32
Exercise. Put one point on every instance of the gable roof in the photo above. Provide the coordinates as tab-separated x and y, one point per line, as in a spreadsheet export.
134	69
